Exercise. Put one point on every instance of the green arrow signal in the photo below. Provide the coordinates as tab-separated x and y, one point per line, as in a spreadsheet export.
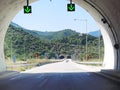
71	7
27	9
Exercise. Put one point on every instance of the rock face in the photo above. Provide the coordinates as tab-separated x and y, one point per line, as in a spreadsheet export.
105	12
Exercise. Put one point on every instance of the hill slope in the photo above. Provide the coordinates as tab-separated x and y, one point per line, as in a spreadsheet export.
24	44
95	33
52	35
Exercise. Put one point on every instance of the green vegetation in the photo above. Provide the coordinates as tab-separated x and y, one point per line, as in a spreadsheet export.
25	44
24	65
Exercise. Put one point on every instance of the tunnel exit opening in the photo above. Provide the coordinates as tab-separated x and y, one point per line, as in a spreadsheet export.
110	56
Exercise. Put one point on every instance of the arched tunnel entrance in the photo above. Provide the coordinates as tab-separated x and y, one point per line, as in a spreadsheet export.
108	20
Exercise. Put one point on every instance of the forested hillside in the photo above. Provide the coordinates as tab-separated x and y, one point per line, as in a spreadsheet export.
25	44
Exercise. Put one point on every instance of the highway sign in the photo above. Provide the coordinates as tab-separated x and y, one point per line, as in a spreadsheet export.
36	55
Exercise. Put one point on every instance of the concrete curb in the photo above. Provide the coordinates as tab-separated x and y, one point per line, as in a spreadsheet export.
7	74
108	76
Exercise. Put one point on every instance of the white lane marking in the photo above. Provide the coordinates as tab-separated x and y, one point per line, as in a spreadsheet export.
40	76
16	77
43	82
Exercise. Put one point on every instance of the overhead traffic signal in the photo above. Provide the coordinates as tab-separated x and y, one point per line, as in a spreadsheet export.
27	9
71	7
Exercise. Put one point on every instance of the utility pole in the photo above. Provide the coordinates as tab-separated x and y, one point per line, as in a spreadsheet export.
86	34
11	45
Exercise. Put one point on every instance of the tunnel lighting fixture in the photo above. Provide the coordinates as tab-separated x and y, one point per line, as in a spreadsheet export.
116	46
104	20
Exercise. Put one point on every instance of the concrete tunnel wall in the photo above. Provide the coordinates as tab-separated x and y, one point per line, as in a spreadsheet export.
109	9
8	10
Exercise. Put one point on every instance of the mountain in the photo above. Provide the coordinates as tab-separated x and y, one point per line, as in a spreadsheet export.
15	25
47	35
52	35
62	34
95	33
65	42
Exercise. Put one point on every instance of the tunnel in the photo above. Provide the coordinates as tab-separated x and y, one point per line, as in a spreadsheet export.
105	12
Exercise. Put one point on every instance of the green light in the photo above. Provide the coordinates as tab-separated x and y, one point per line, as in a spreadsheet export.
71	7
27	9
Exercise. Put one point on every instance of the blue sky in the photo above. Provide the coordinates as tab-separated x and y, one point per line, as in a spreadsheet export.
53	16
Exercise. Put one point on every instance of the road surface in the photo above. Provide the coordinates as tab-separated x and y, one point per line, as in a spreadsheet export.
58	76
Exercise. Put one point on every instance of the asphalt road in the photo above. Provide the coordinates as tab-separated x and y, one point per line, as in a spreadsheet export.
55	78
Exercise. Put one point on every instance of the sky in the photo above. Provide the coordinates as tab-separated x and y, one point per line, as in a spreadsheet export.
53	16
